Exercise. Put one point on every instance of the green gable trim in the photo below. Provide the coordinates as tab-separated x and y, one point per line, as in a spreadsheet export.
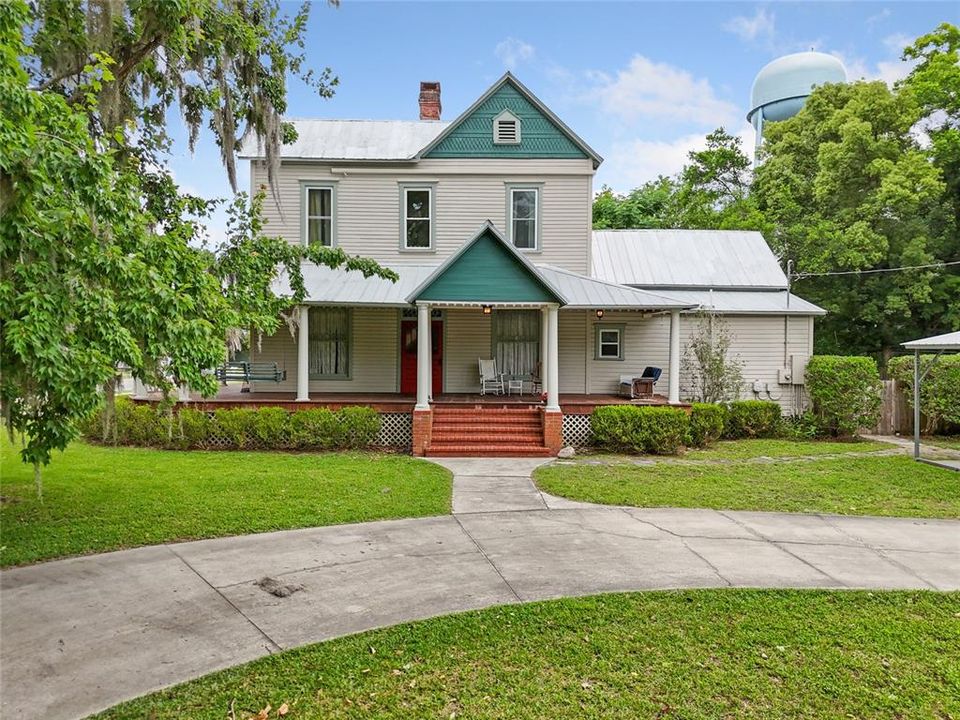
487	272
540	137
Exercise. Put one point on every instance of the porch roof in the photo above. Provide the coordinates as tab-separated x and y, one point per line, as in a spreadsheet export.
341	287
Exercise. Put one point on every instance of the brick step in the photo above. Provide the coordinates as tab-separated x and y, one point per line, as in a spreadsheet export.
489	440
487	411
467	425
488	451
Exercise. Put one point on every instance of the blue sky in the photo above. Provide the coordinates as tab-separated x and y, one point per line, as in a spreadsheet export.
641	82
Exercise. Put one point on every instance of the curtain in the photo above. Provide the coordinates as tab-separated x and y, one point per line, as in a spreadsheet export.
330	341
516	336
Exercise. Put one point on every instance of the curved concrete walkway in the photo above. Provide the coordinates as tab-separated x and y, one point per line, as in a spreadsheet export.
80	635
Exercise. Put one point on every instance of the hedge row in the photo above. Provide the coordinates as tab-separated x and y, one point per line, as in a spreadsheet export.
845	393
664	430
240	429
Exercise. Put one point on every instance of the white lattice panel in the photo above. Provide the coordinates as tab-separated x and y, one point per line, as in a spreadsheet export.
576	430
396	430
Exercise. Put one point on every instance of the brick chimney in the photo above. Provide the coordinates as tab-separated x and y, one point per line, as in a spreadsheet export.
429	101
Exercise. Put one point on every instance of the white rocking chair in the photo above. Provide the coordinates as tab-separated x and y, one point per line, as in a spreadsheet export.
490	379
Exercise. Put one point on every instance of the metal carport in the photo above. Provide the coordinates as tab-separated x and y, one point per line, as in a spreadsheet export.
949	342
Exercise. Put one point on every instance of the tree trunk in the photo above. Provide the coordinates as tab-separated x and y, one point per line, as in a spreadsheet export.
109	410
38	482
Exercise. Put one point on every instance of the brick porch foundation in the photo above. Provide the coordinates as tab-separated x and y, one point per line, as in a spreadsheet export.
422	430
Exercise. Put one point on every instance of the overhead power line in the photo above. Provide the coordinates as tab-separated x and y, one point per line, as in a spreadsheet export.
939	265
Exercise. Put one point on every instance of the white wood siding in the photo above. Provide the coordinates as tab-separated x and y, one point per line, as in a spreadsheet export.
758	342
466	339
572	338
468	192
374	356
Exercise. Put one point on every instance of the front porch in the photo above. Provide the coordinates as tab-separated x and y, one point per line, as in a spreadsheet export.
233	396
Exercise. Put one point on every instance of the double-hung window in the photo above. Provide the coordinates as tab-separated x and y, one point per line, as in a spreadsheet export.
417	226
329	333
318	215
609	342
524	210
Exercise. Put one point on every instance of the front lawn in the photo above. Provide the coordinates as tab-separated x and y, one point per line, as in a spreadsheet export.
99	498
948	442
692	654
742	449
881	485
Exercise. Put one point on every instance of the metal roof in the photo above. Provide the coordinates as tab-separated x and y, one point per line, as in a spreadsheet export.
947	341
326	286
746	302
583	292
724	259
353	140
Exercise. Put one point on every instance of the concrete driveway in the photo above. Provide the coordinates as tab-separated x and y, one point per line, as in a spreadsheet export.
83	634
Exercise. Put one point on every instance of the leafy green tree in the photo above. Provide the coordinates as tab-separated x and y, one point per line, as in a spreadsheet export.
713	189
103	260
934	84
648	206
846	187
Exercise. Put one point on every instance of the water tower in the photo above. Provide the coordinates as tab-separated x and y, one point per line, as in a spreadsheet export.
782	86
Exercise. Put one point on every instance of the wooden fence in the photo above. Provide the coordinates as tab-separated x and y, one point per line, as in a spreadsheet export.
896	415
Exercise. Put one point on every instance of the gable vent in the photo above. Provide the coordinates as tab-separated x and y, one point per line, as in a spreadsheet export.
506	129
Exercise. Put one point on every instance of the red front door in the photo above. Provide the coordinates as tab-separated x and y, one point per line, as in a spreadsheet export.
408	356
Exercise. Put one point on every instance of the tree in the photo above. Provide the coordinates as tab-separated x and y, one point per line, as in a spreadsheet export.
713	375
103	260
711	191
648	206
847	188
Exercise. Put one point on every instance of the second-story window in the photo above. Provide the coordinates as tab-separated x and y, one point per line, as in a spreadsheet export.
319	216
417	218
524	217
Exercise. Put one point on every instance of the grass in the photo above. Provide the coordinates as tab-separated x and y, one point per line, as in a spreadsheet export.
882	485
98	498
950	442
692	655
742	449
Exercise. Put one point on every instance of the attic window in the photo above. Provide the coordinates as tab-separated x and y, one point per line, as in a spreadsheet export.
506	129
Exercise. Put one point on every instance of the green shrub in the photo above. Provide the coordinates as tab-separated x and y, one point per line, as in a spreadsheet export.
845	392
194	426
939	391
271	427
313	429
706	424
644	429
359	427
235	426
752	419
144	426
802	427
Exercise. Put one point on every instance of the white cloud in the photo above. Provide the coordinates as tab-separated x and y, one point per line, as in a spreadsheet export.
887	70
513	51
878	17
751	29
658	90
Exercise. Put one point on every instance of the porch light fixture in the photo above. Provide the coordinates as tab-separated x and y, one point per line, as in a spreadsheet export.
487	309
599	314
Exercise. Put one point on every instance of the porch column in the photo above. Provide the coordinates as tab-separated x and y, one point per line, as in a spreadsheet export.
303	356
553	365
674	397
544	350
423	357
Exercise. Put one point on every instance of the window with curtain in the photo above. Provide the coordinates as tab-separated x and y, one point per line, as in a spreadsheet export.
516	341
329	343
417	206
319	216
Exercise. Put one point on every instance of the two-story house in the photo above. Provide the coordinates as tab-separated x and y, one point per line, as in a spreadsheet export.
487	221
